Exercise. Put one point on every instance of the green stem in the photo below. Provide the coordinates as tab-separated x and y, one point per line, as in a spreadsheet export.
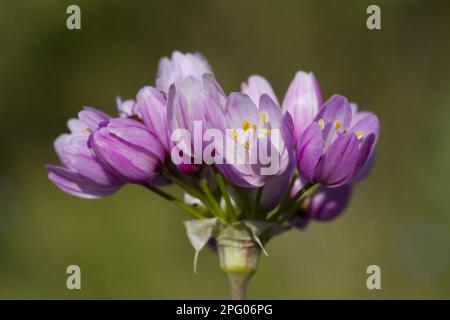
226	196
287	196
211	200
288	214
183	185
238	285
175	201
257	202
243	194
300	195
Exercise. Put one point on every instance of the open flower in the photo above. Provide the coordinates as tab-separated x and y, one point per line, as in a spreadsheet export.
127	149
82	174
258	141
333	149
302	99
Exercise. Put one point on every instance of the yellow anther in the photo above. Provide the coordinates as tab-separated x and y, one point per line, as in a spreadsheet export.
264	117
321	123
86	131
247	145
359	134
265	131
235	134
254	127
337	124
246	125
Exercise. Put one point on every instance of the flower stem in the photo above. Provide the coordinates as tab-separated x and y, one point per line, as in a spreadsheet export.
239	256
174	200
238	285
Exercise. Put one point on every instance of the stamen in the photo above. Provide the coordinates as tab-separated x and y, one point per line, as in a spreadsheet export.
337	124
235	134
321	123
359	135
246	125
86	131
247	145
265	131
254	127
347	130
264	117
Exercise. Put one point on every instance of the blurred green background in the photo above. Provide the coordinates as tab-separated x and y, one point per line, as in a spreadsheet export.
132	244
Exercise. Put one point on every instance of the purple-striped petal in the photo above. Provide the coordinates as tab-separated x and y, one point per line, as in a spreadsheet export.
152	105
328	203
303	100
73	183
337	108
76	125
365	150
256	86
92	117
78	157
238	109
214	90
366	168
179	67
365	124
58	144
336	166
310	149
126	148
